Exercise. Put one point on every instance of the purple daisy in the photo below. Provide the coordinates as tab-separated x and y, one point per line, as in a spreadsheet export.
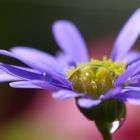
71	74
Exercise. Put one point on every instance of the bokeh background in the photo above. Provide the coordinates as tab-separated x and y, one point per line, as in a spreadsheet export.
33	114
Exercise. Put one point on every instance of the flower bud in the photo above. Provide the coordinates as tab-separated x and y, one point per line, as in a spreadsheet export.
111	112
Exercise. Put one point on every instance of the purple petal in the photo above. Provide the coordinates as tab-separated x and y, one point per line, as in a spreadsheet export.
135	77
37	66
66	94
88	103
131	57
64	60
132	88
20	72
36	56
34	84
70	40
127	37
111	93
32	63
5	77
24	84
127	73
130	96
29	74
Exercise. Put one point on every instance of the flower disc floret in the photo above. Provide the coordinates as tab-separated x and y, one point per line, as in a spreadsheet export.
95	77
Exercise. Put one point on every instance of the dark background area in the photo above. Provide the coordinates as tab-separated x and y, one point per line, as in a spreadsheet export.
28	22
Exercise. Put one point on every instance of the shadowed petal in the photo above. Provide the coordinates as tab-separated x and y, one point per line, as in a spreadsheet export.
87	103
29	74
34	84
37	56
32	63
24	84
111	93
66	94
127	73
135	77
64	60
5	77
37	66
70	40
130	96
131	57
20	72
132	88
127	36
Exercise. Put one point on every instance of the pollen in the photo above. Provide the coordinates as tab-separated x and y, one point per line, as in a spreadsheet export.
95	77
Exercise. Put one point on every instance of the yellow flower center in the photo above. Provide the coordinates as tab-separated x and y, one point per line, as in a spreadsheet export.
95	77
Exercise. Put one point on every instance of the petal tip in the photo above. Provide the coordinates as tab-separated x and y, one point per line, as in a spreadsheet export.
61	23
88	103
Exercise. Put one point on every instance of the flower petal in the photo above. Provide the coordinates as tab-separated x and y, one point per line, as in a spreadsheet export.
111	93
88	103
32	63
64	60
5	77
132	88
131	57
37	56
24	84
34	84
66	94
29	74
135	77
20	72
70	40
127	36
127	73
130	96
37	66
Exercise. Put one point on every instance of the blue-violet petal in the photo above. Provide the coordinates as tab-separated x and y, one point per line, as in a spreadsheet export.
127	37
70	40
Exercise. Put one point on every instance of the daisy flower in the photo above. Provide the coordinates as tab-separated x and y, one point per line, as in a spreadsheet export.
71	74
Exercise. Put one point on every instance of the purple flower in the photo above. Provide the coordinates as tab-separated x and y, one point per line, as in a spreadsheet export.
71	74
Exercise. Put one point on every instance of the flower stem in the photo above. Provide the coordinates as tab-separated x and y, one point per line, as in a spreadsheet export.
104	129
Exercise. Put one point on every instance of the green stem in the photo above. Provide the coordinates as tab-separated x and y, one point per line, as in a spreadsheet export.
104	129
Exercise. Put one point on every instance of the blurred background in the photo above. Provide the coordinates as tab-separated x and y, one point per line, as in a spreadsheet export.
33	114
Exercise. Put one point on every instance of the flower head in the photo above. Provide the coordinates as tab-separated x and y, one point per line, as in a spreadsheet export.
71	74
